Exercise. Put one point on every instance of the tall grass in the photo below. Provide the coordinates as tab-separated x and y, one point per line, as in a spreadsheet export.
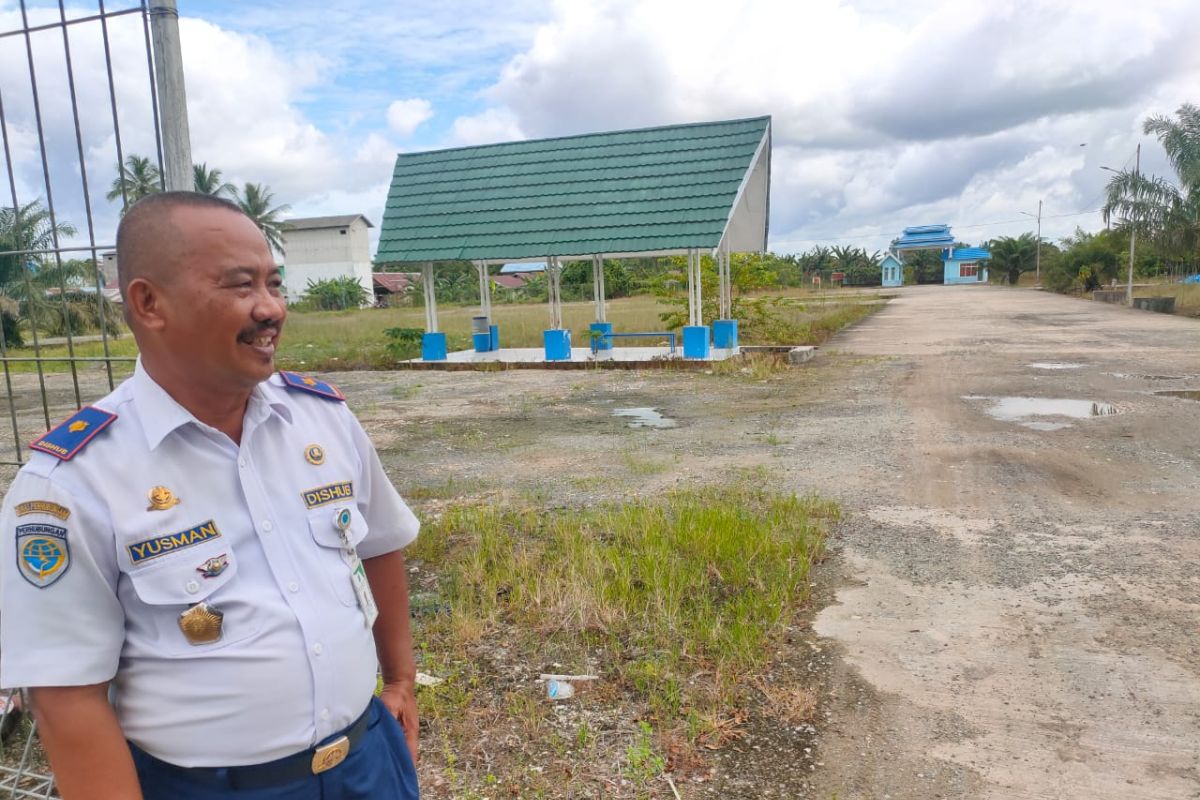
654	590
340	340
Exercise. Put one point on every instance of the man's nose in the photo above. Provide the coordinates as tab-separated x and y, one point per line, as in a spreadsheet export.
269	306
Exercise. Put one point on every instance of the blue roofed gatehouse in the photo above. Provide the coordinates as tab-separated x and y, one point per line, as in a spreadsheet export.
960	264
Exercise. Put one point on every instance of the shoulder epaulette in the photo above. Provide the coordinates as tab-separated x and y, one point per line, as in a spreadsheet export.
307	383
70	435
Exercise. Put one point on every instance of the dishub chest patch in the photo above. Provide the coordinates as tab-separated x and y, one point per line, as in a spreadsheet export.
157	546
330	493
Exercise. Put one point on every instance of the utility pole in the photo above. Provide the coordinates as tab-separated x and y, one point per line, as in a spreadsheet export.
172	96
1038	261
1137	168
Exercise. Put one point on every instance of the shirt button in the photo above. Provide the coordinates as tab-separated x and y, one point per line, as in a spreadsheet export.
267	526
293	587
324	713
192	587
241	462
317	649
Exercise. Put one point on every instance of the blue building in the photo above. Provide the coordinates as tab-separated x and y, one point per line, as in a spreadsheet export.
893	271
965	265
960	264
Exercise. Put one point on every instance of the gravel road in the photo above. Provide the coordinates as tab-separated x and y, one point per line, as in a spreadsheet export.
1020	603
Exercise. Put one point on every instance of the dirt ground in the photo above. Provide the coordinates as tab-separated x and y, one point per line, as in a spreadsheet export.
1008	612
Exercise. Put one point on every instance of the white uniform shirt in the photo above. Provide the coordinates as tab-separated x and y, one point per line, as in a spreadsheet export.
295	661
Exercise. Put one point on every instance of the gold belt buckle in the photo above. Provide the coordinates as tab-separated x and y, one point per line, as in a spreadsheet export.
330	755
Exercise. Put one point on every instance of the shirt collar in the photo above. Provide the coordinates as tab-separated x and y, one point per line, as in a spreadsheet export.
161	414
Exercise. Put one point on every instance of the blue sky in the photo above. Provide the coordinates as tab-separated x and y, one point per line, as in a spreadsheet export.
886	114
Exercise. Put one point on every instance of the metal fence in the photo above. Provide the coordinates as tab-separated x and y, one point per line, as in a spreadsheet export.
79	94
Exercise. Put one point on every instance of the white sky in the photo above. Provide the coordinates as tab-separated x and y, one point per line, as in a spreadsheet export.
886	114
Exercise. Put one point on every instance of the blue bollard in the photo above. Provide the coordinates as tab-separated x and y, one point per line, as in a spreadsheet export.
433	347
558	344
695	341
725	333
601	336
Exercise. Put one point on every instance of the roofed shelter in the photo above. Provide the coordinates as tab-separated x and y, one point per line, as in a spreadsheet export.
672	190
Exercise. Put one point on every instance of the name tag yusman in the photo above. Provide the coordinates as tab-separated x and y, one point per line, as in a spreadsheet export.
169	543
323	495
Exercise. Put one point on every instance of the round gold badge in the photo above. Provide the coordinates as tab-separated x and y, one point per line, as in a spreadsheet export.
314	454
161	498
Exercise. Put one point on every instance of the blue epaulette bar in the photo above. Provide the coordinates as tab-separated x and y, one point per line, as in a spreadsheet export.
307	383
71	435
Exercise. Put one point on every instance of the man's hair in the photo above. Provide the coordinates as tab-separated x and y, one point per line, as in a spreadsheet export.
146	226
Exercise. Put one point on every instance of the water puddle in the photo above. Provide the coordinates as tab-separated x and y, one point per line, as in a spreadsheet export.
1054	365
1031	411
1185	394
645	418
1130	376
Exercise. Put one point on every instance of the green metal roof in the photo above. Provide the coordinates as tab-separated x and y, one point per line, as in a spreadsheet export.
642	191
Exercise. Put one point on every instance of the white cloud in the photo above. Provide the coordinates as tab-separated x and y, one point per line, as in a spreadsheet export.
885	114
405	116
493	125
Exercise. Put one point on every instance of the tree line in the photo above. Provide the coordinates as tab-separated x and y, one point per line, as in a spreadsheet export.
139	176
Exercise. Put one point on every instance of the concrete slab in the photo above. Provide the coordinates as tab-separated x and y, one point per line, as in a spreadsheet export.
582	356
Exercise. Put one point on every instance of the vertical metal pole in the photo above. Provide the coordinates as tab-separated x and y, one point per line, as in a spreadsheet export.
485	290
431	320
699	287
41	135
603	290
1137	168
596	289
172	96
1038	262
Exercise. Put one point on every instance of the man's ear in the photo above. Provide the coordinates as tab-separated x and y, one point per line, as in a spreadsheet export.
144	305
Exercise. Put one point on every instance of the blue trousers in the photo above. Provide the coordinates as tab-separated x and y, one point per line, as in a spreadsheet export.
379	768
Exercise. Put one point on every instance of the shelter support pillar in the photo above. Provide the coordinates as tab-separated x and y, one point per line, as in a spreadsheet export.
725	329
556	340
433	343
485	335
695	334
600	330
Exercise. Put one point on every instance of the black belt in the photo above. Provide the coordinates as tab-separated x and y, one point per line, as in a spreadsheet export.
288	769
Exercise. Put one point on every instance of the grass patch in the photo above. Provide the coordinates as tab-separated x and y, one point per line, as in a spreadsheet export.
676	601
658	590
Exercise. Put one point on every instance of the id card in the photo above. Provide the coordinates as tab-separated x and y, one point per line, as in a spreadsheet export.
362	590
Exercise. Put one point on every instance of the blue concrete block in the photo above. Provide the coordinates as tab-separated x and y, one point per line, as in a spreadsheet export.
494	330
601	335
725	333
433	347
483	342
558	345
695	341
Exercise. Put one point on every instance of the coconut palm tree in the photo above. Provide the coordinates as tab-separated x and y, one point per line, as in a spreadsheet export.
255	200
1012	256
1163	210
136	178
208	181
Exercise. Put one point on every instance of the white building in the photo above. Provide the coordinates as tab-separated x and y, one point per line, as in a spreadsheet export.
320	248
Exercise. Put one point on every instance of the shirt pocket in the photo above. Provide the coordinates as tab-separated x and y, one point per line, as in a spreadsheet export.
171	585
323	524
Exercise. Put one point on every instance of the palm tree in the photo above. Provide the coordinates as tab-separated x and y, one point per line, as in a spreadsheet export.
1011	257
255	200
208	181
1162	210
136	178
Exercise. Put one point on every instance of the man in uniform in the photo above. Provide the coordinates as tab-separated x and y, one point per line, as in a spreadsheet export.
202	573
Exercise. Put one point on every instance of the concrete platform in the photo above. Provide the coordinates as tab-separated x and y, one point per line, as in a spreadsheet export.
581	358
